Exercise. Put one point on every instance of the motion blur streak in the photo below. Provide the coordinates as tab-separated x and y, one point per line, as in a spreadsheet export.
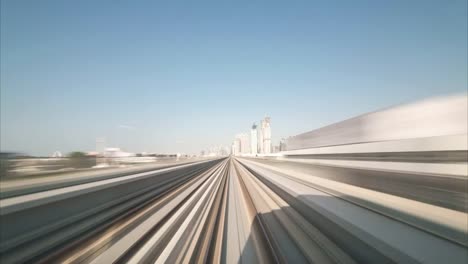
389	186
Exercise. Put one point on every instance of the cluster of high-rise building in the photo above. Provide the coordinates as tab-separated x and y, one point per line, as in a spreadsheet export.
258	141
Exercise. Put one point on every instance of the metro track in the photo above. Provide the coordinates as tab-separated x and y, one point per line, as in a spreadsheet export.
221	211
67	215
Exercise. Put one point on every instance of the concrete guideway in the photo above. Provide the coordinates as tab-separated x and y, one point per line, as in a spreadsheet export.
21	186
401	229
230	210
62	214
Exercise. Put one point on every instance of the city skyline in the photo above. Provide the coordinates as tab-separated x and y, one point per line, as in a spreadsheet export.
174	78
258	141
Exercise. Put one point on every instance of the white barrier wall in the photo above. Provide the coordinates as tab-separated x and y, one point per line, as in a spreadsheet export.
435	117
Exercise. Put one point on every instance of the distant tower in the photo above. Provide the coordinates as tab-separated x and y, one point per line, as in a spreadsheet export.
244	143
266	135
236	147
253	140
260	138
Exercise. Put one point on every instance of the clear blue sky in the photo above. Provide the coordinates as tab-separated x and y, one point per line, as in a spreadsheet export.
181	76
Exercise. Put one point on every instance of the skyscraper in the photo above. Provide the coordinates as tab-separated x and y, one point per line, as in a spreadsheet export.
253	140
260	138
242	143
266	129
236	146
